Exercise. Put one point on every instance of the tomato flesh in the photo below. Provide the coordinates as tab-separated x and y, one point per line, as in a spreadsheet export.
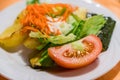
72	60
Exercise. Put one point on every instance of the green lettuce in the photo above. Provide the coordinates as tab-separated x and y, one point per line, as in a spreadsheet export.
93	25
61	39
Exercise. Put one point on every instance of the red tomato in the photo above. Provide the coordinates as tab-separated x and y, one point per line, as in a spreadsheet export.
67	57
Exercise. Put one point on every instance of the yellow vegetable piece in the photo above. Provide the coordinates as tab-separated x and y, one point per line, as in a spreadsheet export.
34	59
81	13
14	27
31	43
13	41
12	37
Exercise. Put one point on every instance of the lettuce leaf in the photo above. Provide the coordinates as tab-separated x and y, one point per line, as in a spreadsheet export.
61	39
93	25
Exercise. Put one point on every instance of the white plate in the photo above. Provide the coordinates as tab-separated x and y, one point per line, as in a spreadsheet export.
14	66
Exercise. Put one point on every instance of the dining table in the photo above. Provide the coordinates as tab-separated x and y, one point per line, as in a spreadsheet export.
112	5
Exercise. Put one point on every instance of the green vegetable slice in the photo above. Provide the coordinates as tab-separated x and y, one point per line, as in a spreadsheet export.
106	32
92	25
61	39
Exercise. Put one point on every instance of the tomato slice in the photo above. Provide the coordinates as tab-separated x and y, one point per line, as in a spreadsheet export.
68	57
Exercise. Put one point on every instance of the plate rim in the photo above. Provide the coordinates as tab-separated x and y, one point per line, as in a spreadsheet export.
94	3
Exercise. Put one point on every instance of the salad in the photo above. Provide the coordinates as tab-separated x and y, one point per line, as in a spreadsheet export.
58	34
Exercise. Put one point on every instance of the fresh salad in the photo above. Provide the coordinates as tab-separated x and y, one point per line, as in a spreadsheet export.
58	34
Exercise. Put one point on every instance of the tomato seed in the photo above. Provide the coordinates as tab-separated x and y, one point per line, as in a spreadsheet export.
88	48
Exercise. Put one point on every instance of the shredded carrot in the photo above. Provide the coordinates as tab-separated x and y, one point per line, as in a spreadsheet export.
26	28
35	18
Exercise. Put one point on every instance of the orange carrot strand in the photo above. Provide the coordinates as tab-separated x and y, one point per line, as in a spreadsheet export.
35	19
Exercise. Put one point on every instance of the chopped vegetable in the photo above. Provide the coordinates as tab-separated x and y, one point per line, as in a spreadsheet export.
12	37
37	35
93	25
31	43
36	19
41	59
65	28
61	39
46	61
12	42
68	57
16	26
81	13
106	33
